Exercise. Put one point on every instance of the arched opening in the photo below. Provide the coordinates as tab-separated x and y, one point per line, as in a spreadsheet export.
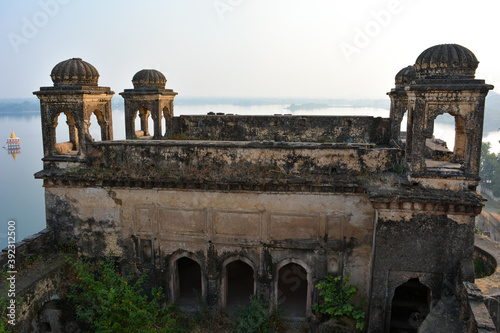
188	282
95	128
65	142
61	135
292	290
410	306
143	122
137	125
440	144
239	283
403	127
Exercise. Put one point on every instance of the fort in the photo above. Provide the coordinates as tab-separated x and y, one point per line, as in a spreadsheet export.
235	205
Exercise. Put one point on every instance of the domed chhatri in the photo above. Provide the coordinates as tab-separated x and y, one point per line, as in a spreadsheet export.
446	61
149	79
405	76
74	72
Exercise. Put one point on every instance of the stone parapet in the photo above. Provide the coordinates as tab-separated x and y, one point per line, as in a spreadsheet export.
286	128
233	161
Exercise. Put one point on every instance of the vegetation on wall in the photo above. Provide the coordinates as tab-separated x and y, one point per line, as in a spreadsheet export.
105	300
338	301
108	301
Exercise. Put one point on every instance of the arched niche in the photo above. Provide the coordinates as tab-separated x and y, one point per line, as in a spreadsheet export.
187	281
238	282
59	146
293	288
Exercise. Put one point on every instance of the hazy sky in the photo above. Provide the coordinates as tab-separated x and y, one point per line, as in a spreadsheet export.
242	48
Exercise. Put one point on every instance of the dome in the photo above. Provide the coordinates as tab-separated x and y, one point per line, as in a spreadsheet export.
149	79
74	72
446	61
405	76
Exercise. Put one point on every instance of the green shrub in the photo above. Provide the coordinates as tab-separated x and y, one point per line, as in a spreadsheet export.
337	303
108	301
258	317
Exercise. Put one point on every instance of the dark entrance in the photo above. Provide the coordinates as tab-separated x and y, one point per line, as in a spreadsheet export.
292	290
410	306
240	283
188	281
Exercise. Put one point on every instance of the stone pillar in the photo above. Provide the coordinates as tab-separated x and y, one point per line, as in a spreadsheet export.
460	139
156	115
399	104
143	114
107	134
129	120
73	133
415	143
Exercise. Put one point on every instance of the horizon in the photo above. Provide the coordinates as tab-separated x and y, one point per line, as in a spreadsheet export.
241	49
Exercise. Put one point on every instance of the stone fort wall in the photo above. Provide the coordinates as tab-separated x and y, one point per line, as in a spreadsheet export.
322	233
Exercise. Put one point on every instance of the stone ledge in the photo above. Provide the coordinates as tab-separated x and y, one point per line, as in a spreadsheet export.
482	318
62	181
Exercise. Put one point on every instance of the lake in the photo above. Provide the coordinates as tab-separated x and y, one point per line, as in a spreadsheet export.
22	196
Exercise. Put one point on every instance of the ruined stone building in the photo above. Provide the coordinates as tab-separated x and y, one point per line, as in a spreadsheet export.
230	205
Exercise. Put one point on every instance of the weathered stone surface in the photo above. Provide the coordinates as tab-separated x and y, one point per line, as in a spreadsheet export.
325	224
325	129
283	198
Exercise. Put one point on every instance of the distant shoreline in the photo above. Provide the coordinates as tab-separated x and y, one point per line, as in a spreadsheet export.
28	106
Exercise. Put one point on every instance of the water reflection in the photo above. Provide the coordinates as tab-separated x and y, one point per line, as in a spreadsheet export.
22	197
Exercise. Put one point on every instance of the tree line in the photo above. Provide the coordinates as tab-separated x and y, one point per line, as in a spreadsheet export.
490	169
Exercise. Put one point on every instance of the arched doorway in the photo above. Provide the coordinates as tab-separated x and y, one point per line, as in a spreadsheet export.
238	284
410	306
188	282
292	289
